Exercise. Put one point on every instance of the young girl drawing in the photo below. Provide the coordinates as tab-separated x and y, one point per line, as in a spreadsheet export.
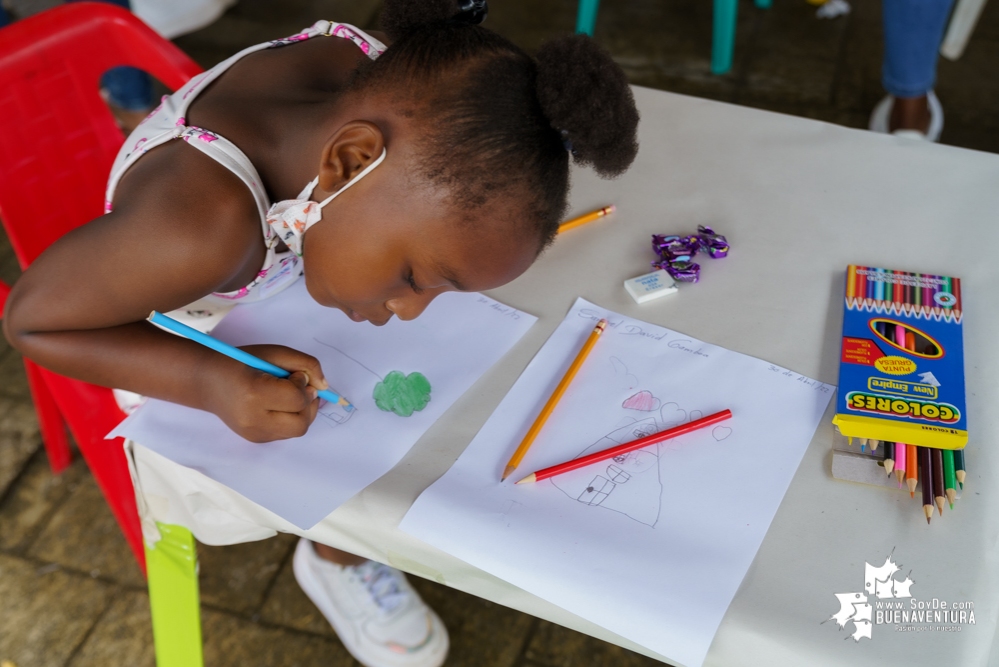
443	164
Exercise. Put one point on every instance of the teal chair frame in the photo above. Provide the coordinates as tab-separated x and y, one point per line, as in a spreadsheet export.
723	31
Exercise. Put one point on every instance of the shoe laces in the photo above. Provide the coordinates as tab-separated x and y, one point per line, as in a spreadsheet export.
382	585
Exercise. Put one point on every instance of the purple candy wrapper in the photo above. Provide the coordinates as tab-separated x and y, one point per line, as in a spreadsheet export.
677	252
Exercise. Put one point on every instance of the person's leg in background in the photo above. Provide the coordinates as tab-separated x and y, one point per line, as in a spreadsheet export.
127	90
913	30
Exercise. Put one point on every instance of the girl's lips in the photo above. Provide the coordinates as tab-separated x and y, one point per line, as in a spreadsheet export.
355	316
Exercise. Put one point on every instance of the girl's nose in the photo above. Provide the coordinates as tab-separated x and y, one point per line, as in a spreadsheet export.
411	306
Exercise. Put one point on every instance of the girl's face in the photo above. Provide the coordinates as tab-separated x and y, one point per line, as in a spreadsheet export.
392	243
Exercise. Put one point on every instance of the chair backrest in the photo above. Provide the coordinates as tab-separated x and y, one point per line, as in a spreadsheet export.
59	139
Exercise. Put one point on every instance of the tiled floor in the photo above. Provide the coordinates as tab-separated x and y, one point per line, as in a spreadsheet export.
70	592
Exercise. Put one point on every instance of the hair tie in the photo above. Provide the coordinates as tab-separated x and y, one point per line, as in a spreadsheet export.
566	142
470	12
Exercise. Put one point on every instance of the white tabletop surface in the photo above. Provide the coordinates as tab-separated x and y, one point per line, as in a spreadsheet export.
798	200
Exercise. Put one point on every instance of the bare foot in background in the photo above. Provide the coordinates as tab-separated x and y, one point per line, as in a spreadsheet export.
910	113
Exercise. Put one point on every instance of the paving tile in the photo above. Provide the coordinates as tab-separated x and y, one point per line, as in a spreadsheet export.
528	24
83	535
858	76
19	439
251	22
236	577
13	379
969	88
35	495
45	613
233	642
481	632
122	636
555	646
674	52
288	606
794	56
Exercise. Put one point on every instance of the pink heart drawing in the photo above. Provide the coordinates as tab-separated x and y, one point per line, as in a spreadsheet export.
721	432
643	400
695	415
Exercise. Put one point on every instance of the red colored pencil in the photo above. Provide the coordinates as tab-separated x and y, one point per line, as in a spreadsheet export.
610	453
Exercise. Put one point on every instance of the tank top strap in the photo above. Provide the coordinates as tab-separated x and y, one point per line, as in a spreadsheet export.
232	158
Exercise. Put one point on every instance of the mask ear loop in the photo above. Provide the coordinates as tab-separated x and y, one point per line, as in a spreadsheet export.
364	172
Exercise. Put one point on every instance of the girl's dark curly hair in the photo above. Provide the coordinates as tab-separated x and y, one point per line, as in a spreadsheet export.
498	120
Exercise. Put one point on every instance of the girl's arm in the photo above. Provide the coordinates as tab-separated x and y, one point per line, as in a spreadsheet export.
183	227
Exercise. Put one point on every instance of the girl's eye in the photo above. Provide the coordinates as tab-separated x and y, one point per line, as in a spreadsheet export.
412	283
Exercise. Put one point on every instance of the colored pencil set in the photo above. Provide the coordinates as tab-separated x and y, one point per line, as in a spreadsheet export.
902	377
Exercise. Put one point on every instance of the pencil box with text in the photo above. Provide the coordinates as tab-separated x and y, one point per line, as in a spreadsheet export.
901	373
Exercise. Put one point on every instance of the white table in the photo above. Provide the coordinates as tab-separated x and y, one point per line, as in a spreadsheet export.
798	200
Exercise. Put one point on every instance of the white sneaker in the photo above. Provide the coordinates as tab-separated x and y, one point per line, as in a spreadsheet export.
378	616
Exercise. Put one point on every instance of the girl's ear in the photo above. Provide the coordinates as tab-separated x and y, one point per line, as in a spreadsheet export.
352	148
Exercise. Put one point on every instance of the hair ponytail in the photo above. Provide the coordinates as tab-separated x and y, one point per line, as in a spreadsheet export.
586	97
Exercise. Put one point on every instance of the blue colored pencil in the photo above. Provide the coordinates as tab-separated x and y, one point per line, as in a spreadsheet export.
235	353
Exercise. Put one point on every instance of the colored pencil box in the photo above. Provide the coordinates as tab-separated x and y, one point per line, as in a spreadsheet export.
901	373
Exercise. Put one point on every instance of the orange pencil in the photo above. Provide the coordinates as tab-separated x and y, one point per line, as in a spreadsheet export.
588	217
611	452
546	411
911	469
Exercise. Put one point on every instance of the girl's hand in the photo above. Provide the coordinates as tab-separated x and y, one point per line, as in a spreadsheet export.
261	407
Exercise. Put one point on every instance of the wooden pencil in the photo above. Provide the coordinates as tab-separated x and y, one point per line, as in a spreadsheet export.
926	481
900	462
959	469
553	400
949	476
620	450
936	461
242	356
889	457
585	218
911	468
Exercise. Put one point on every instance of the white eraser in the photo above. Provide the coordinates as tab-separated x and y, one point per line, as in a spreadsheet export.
650	286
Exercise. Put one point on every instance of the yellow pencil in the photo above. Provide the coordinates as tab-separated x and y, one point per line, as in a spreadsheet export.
583	219
546	411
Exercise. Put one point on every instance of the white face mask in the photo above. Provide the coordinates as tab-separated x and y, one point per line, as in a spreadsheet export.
290	218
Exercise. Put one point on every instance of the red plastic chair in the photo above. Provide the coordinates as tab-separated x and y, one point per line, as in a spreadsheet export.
57	145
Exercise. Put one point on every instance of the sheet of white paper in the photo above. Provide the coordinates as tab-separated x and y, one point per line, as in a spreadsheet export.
304	479
652	545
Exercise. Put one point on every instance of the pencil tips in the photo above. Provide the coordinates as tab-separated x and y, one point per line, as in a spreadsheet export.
529	479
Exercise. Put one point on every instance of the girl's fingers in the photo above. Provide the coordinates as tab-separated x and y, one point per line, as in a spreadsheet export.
291	394
292	360
288	424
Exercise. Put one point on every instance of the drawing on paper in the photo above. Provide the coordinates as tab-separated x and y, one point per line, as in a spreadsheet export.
643	400
396	392
631	484
335	413
627	484
402	394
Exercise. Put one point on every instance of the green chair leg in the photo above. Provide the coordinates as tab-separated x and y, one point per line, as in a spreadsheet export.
586	16
723	35
171	566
